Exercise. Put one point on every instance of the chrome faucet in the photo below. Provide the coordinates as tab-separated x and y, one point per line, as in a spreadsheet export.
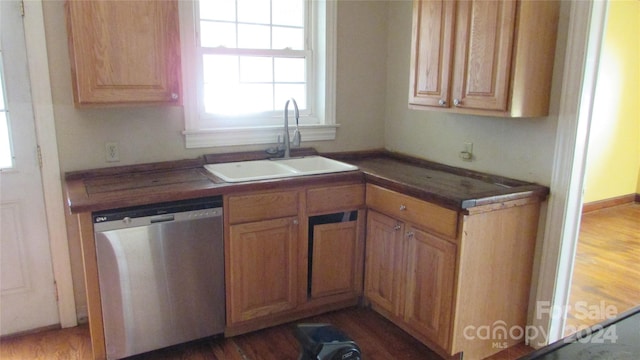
296	134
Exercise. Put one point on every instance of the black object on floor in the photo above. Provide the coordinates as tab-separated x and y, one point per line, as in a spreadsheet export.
325	342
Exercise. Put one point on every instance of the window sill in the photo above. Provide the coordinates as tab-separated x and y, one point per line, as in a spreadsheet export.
254	135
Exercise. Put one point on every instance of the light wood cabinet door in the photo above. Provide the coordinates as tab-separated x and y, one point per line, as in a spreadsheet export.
262	274
124	52
384	261
429	285
484	43
483	57
431	52
334	263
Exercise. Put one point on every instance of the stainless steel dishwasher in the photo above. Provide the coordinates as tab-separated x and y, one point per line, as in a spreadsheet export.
161	274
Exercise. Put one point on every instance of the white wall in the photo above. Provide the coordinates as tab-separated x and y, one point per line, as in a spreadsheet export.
154	133
372	88
516	148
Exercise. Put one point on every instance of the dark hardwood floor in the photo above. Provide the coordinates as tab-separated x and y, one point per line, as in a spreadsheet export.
377	337
606	276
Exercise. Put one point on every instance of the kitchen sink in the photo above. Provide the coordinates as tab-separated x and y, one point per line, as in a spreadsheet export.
241	171
309	165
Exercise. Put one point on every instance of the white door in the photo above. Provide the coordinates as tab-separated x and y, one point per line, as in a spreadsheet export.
27	290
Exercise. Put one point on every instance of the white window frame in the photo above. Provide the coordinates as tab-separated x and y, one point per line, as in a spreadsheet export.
321	125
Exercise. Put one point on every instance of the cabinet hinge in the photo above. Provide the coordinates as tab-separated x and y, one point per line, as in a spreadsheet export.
39	150
22	8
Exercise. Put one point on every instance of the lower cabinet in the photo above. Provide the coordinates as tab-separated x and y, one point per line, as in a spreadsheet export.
262	270
334	267
410	274
384	262
441	275
446	277
292	254
430	274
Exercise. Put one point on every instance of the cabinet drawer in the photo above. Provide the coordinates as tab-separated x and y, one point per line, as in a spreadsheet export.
262	206
335	198
427	215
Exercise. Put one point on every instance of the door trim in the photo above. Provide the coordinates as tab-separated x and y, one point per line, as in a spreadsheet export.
585	32
38	64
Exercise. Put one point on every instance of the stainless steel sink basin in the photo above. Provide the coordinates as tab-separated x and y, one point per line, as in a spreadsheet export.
241	171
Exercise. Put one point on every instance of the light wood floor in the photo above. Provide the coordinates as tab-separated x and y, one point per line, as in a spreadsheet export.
377	337
606	274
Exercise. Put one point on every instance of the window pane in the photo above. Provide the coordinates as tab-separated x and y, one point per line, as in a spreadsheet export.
222	100
286	91
254	11
288	38
224	94
288	12
253	37
256	98
220	69
289	70
6	160
256	69
215	34
218	10
247	81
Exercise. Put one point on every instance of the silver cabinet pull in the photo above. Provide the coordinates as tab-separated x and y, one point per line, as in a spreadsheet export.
442	102
174	96
457	102
397	227
403	207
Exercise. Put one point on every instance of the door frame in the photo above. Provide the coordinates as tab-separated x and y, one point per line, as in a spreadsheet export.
40	84
585	34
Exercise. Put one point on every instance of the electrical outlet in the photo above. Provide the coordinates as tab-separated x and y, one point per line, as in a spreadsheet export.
111	151
467	153
468	147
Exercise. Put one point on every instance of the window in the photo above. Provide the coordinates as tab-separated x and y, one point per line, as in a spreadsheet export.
243	59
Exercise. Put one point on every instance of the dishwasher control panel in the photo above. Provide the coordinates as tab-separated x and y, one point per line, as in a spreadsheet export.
200	207
187	210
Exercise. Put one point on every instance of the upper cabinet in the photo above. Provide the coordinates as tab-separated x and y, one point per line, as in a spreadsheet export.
124	52
483	57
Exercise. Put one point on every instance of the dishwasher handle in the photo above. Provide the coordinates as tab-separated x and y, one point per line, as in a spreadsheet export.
162	218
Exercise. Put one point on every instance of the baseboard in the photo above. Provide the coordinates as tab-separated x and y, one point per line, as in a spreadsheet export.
31	331
83	314
606	203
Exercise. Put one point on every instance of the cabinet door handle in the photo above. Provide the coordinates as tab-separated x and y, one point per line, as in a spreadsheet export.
457	102
397	227
174	96
410	234
403	207
442	102
295	221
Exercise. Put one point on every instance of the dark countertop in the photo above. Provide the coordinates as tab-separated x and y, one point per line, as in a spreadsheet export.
454	188
445	187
